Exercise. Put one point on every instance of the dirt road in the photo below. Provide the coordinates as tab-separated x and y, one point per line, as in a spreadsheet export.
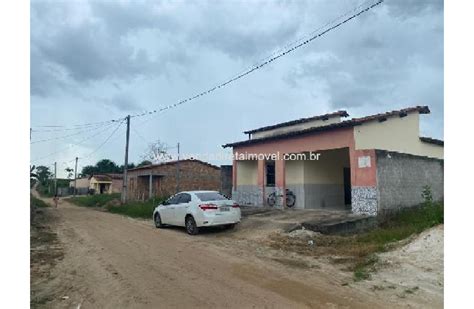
111	261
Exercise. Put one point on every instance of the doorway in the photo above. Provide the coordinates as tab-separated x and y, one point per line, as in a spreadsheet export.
347	186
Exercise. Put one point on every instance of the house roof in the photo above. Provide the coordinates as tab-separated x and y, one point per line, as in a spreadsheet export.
341	113
114	175
172	163
430	140
104	178
343	124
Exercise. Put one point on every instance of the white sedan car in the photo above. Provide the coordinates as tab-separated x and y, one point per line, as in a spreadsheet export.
195	209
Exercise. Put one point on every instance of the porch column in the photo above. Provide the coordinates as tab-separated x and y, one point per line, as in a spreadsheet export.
261	180
364	197
280	181
234	175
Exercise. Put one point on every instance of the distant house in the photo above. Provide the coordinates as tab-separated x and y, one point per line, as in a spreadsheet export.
99	184
167	178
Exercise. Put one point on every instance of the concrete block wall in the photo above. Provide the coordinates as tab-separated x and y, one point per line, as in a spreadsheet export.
401	178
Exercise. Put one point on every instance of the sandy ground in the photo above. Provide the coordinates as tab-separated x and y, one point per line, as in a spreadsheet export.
413	274
111	261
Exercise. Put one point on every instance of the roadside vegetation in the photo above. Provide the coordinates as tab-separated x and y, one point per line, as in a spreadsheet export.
36	202
96	200
359	252
136	209
111	203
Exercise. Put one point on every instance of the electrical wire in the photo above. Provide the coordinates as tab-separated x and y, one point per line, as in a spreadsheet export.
262	64
69	135
104	142
73	127
74	144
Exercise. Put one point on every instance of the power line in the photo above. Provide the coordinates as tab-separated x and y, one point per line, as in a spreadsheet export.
75	126
104	142
262	64
75	144
69	135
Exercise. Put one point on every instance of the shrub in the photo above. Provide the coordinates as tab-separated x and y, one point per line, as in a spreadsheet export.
136	209
96	200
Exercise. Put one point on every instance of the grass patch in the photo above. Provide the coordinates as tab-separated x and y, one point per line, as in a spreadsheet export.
136	209
96	200
111	202
358	251
37	202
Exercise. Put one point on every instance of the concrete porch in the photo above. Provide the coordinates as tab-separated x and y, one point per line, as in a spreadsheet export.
318	220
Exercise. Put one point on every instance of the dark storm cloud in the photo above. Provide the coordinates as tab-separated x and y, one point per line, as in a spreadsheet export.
94	48
387	65
97	60
409	8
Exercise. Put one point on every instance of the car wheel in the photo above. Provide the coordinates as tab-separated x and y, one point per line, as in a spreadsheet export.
191	227
158	223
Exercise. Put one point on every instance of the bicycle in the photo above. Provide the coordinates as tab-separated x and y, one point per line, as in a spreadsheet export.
290	198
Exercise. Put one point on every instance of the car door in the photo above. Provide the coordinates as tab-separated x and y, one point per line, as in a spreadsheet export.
181	208
167	211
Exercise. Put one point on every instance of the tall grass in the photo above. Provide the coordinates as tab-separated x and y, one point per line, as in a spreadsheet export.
136	209
37	202
111	202
96	200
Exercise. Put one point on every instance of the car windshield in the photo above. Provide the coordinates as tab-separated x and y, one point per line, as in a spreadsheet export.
210	196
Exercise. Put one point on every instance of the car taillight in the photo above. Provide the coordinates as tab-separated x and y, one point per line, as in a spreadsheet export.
207	206
235	205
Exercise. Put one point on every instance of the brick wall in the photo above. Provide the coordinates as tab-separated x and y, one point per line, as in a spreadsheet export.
401	177
193	175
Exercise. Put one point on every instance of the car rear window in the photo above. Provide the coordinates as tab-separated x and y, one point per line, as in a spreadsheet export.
210	196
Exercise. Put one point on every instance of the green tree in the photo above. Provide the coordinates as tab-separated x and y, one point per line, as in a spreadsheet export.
88	170
107	166
144	162
43	174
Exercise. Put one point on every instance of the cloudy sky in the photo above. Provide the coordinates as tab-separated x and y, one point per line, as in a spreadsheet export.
93	61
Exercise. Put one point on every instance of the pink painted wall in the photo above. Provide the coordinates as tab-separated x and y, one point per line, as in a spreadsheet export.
340	138
363	177
319	141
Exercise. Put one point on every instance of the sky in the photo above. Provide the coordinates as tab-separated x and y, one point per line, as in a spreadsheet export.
95	61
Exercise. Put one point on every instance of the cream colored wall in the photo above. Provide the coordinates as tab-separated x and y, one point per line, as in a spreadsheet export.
80	183
297	127
95	185
328	169
399	134
247	172
294	172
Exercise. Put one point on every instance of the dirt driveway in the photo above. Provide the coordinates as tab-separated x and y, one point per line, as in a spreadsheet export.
111	261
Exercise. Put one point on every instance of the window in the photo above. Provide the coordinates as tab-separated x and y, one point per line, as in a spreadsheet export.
270	174
210	196
184	198
174	200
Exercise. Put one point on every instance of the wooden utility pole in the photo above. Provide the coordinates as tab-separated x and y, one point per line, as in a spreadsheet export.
125	167
75	178
55	180
177	172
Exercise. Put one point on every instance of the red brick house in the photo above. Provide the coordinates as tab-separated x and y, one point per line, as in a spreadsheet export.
167	178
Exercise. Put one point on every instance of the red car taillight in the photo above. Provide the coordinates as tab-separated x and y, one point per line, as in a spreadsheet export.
208	207
235	205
